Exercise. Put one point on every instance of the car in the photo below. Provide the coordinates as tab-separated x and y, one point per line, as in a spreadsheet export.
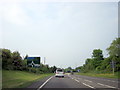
59	73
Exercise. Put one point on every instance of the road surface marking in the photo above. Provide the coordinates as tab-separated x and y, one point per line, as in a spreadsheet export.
87	85
87	80
80	78
76	80
44	83
106	85
105	80
112	81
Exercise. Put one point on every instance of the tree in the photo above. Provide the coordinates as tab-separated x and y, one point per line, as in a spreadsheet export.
105	65
114	48
114	52
97	58
89	64
53	69
17	60
26	57
24	64
6	59
97	53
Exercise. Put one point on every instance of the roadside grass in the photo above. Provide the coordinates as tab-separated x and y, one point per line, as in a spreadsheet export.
20	79
104	75
0	79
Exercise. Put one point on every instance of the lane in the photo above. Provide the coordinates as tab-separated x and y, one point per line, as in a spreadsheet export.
65	82
37	84
74	81
97	82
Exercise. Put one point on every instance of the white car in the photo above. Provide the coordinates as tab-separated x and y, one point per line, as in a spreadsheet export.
59	73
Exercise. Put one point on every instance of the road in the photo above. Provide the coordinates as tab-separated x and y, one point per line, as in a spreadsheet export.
76	81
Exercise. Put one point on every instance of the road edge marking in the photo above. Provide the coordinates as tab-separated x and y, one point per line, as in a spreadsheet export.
106	85
87	85
45	83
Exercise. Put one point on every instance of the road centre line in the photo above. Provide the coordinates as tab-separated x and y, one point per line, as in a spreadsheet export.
83	83
87	85
45	83
106	85
97	83
105	80
87	80
76	80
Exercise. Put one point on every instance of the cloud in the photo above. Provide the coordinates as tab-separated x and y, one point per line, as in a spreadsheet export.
60	0
64	32
14	14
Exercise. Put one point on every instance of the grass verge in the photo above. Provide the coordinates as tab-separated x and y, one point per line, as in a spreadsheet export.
20	79
104	75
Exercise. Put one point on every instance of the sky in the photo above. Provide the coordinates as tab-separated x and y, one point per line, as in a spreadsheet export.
65	33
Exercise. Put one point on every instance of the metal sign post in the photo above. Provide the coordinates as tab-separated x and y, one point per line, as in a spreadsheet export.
113	66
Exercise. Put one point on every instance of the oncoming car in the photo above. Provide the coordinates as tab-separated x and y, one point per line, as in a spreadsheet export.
59	73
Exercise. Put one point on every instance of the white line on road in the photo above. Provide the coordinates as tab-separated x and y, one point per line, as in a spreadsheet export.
87	80
106	80
106	85
44	83
87	85
76	80
79	78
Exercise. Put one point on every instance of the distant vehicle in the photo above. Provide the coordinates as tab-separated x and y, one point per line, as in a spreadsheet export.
59	73
68	71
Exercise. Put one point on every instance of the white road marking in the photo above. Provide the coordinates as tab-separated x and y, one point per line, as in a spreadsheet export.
87	85
76	80
44	83
105	80
80	78
100	84
106	85
112	81
87	80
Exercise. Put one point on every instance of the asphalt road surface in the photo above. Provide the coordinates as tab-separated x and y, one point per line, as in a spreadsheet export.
76	81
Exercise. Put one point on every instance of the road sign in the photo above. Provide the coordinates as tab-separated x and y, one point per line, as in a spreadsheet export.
33	61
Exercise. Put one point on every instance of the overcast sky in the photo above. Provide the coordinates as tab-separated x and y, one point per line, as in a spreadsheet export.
65	33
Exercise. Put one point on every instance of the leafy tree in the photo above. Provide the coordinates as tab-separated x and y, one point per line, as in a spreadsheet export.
97	57
17	60
53	69
26	57
69	68
24	64
114	48
105	65
114	52
89	64
6	59
97	53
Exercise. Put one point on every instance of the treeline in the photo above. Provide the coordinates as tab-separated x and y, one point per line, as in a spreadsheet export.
98	63
13	61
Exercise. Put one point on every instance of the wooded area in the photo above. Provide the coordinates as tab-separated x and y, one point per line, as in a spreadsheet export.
13	61
99	63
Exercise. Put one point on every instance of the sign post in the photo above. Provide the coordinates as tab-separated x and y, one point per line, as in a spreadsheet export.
113	66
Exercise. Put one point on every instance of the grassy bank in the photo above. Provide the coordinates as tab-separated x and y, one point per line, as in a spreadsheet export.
0	79
104	75
19	79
